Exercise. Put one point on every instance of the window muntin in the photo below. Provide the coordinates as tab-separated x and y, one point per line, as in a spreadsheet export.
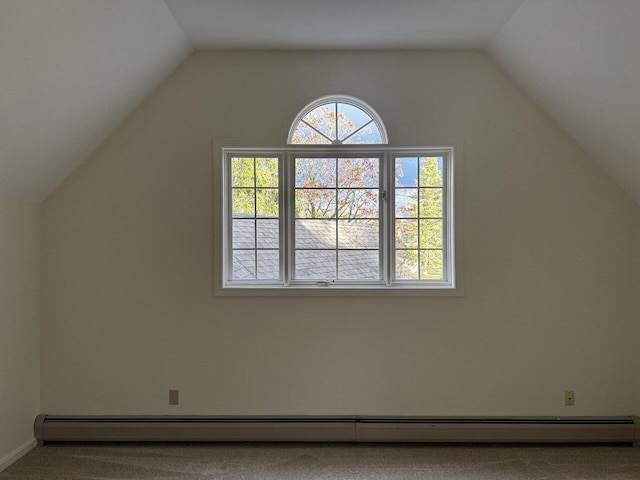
337	212
255	214
419	256
419	218
337	120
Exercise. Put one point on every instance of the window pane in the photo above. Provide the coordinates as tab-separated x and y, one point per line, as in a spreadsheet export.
358	265
358	234
315	234
361	203
267	172
267	202
367	135
315	172
315	264
431	265
350	119
406	172
406	234
268	233
358	172
323	119
407	264
268	265
305	135
244	264
431	171
315	203
243	200
244	234
406	202
431	202
430	233
242	172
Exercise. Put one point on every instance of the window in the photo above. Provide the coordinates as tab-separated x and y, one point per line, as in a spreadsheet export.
338	208
337	120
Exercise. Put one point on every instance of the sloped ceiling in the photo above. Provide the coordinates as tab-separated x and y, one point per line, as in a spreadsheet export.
70	72
341	24
73	70
581	60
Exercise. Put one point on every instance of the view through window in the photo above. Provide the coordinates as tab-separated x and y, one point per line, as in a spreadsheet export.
338	207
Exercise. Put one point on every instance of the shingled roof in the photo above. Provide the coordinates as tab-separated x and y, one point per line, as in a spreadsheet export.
316	242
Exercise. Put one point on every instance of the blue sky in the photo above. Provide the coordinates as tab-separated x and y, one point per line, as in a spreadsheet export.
409	169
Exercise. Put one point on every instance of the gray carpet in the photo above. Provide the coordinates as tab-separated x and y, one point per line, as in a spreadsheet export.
324	461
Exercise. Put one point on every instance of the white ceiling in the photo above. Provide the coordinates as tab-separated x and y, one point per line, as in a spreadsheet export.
341	24
70	73
581	60
73	70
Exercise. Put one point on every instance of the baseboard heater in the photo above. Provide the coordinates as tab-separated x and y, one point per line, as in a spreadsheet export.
54	428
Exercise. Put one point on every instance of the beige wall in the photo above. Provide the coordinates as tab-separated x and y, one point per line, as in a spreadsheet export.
19	327
550	252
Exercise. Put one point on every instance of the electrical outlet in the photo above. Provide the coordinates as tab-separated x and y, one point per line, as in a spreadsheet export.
569	398
174	397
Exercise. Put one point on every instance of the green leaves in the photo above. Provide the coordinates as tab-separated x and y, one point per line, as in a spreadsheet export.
254	183
419	212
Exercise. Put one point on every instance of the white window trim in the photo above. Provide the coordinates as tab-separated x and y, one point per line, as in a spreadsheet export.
453	206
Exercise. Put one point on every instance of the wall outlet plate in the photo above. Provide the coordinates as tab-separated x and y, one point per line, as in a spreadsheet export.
174	397
569	398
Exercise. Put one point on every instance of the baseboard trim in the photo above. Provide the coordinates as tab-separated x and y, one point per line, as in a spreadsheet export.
51	428
17	454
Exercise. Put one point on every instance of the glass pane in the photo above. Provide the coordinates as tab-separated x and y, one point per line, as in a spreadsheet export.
244	264
358	203
350	119
267	202
358	172
367	135
244	233
406	234
431	171
358	234
268	265
407	264
315	172
430	233
358	265
431	202
323	119
268	234
315	264
315	234
243	200
406	172
431	265
315	203
304	134
267	172
242	172
406	202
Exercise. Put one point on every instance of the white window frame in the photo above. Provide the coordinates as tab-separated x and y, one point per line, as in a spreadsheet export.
450	285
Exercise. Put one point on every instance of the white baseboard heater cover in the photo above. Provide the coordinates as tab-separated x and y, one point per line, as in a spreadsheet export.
55	428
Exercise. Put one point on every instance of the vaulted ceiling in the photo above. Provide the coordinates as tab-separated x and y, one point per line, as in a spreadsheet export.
72	70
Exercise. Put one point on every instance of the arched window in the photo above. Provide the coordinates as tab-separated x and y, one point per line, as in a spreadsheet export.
337	209
337	120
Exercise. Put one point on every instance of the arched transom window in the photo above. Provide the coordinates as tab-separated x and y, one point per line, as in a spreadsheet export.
337	120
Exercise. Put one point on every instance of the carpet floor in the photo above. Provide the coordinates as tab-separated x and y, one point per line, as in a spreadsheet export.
324	461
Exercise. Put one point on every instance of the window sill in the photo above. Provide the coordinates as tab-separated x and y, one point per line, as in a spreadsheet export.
339	291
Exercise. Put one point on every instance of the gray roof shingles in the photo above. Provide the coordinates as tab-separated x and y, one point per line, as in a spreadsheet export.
315	249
